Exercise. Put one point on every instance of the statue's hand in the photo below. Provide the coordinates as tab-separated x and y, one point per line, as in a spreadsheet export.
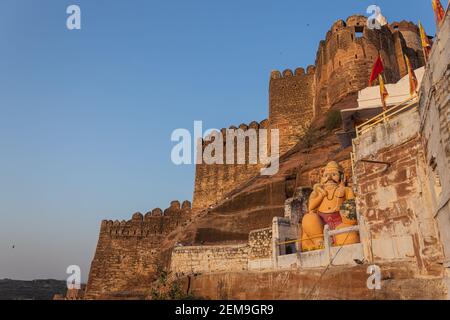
316	197
320	191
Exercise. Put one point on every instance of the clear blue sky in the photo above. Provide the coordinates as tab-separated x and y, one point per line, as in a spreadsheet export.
86	116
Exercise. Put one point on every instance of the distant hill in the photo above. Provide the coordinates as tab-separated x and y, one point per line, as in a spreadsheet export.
31	290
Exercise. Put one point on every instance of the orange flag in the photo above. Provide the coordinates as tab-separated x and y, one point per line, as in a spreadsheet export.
378	68
426	43
384	94
413	82
439	11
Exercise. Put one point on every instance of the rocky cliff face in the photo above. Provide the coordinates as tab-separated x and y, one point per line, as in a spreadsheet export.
339	283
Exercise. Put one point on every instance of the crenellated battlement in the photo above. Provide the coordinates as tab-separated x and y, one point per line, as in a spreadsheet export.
210	138
214	181
129	251
356	21
154	222
404	26
337	25
291	96
345	58
349	23
275	74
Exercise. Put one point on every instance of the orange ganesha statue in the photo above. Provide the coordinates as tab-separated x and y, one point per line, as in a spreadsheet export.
324	208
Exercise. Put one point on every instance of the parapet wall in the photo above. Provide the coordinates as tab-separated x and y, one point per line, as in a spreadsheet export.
254	255
154	223
209	259
127	252
214	181
291	99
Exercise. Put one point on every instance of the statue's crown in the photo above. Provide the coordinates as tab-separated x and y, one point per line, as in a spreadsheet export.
333	165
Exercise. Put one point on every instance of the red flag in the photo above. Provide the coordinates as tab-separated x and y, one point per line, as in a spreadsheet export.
378	68
439	11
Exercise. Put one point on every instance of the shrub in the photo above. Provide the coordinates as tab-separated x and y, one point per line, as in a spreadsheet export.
165	288
333	120
310	136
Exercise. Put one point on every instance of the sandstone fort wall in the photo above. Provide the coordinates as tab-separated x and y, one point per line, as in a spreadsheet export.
343	65
291	97
127	252
345	58
214	181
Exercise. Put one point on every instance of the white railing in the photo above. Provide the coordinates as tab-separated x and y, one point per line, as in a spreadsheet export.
317	258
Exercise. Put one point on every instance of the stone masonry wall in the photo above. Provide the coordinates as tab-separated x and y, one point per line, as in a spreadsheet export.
214	181
127	252
223	258
345	58
435	120
209	259
394	199
407	41
291	100
260	242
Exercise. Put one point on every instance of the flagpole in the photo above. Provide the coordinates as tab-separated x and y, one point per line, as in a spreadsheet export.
403	54
424	55
384	71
